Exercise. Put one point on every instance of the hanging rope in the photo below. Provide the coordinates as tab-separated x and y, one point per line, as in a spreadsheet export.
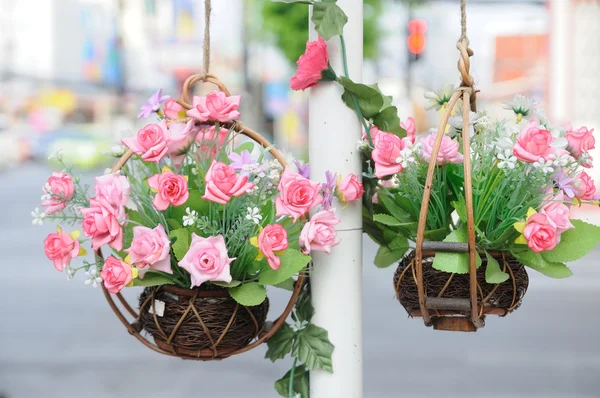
463	20
207	12
464	61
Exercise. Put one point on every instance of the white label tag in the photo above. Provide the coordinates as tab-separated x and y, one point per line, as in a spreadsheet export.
160	308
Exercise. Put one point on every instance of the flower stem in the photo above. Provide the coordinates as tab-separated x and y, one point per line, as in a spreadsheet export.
291	385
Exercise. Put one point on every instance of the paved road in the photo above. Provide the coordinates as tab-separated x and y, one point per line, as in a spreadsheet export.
59	338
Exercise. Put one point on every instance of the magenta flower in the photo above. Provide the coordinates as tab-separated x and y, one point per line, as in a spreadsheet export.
153	104
328	189
303	169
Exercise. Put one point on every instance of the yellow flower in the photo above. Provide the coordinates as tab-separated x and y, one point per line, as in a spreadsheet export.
520	227
134	271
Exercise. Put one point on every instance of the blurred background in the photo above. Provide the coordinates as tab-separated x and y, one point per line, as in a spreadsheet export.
73	74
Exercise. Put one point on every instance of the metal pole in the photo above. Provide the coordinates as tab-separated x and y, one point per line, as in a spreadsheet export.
336	281
560	59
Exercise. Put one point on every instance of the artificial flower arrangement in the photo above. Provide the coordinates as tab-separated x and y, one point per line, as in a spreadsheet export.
526	175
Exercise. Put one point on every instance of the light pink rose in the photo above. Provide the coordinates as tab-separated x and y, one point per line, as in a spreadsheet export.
319	233
222	183
273	238
584	186
60	248
411	129
150	250
113	189
60	190
116	274
297	195
386	153
172	109
533	144
216	106
181	137
373	131
540	232
150	142
207	140
558	213
350	189
207	260
101	224
310	65
171	189
580	141
448	150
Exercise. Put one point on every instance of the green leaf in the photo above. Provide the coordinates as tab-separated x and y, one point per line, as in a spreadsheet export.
392	253
395	208
300	383
387	99
329	19
152	278
246	146
173	224
294	1
387	120
387	220
280	344
287	284
312	346
540	264
292	262
454	262
461	208
304	308
369	100
493	273
574	243
436	234
249	294
233	283
182	242
194	202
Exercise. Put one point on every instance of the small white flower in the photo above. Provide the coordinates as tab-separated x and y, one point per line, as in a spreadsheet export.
440	98
296	327
93	277
115	150
506	160
38	218
504	144
70	272
407	156
274	175
253	215
191	218
47	189
195	171
520	105
585	159
560	161
545	166
46	197
361	145
56	155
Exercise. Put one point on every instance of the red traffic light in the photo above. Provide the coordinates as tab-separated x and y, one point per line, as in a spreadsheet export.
416	40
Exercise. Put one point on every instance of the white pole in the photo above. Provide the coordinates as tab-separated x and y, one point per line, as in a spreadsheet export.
336	281
560	59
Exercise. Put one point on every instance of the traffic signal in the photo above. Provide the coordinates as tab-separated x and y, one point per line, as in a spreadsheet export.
416	38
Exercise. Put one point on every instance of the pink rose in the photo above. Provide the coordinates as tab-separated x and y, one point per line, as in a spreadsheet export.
101	224
297	195
386	154
208	141
216	106
373	131
207	260
116	274
580	141
350	189
113	189
411	129
540	232
222	183
533	144
170	188
318	233
60	248
273	238
448	150
585	189
59	189
172	109
310	65
150	142
558	213
181	137
150	250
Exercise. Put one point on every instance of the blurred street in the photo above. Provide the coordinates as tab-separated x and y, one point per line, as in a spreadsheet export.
60	339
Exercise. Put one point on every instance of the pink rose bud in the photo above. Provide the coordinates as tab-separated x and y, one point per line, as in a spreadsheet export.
584	186
101	224
558	213
319	233
181	137
60	248
150	250
222	183
386	154
540	232
273	238
207	260
172	109
533	144
580	141
216	106
297	195
59	190
448	151
350	189
310	65
116	274
113	189
411	129
209	142
150	142
170	188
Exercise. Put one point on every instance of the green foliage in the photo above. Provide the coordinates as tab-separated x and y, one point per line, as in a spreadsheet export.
574	243
329	19
540	264
387	120
369	99
312	346
304	310
454	262
392	252
493	273
249	294
300	382
181	244
292	262
280	344
153	279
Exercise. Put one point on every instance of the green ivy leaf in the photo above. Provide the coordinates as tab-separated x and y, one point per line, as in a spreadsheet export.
369	100
392	253
493	273
387	120
312	346
182	242
387	99
300	383
292	262
454	262
233	283
540	264
152	278
287	284
280	344
304	308
329	19
249	294
574	243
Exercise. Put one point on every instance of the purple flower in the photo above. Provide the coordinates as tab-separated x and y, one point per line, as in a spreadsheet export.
238	161
563	182
153	104
303	170
328	189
